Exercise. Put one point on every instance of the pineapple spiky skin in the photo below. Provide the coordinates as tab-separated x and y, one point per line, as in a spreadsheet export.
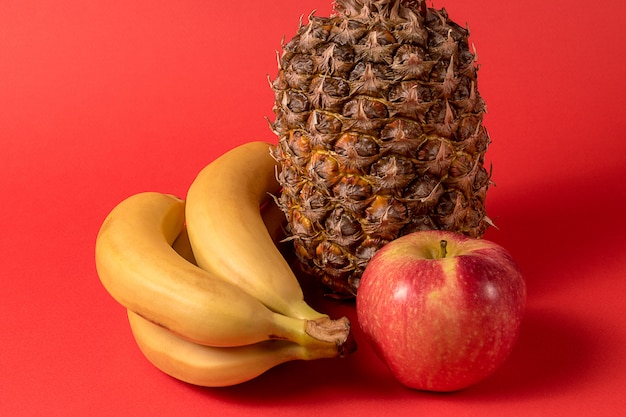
379	121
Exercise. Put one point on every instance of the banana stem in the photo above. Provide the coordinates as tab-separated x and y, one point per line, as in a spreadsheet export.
330	338
302	310
333	331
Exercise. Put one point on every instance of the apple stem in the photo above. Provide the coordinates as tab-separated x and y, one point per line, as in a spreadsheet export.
443	244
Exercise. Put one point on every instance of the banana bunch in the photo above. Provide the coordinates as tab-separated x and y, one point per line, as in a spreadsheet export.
209	296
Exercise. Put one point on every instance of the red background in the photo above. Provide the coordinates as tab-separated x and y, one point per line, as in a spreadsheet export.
104	98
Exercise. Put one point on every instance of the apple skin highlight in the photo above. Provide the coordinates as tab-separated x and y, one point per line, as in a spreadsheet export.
441	323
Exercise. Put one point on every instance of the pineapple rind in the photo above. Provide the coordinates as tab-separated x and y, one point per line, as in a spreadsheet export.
379	121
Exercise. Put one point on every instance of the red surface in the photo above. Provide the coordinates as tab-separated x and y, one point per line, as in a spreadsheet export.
102	99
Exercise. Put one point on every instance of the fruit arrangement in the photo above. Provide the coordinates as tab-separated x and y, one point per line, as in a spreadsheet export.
378	185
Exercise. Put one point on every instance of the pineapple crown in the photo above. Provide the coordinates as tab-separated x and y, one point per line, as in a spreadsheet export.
387	8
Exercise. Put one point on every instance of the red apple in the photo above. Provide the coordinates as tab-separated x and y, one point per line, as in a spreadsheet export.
442	310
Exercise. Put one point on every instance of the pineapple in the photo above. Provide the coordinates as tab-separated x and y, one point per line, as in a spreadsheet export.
379	125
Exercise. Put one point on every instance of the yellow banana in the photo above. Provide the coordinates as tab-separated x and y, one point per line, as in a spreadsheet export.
228	235
183	247
215	366
141	270
274	221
